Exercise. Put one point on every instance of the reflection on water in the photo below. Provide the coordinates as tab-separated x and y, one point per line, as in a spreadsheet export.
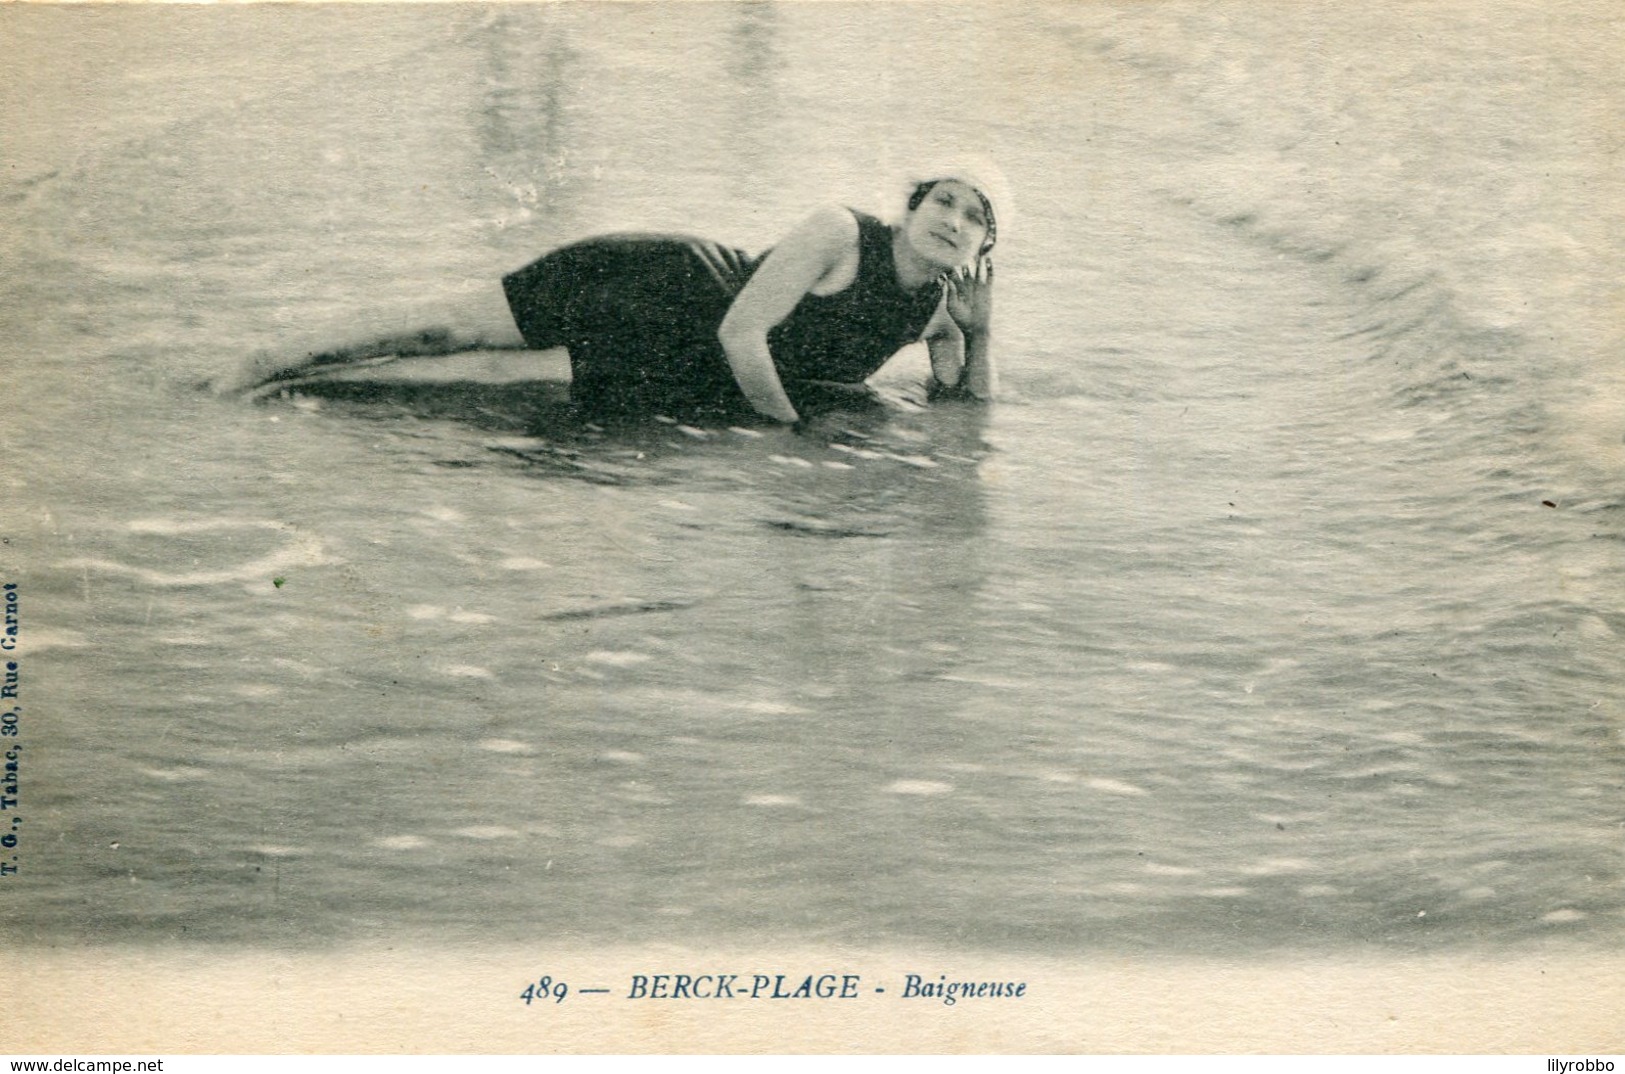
755	118
525	119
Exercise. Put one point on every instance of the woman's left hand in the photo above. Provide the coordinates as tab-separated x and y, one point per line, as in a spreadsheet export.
970	297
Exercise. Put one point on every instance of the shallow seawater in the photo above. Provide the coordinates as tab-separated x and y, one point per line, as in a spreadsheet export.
1278	607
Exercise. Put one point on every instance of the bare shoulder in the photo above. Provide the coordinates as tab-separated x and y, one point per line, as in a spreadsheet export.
833	224
830	233
819	256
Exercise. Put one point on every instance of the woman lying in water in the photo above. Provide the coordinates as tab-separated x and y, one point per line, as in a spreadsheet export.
671	324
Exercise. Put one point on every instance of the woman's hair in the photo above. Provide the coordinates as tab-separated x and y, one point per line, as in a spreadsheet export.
922	189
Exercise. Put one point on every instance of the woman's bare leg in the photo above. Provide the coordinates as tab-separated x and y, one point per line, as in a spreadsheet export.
478	320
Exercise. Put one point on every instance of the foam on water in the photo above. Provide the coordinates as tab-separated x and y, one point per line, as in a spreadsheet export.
919	787
299	550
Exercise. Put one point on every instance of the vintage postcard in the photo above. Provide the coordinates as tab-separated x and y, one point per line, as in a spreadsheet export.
813	527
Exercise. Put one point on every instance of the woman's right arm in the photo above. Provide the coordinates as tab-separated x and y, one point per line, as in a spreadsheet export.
815	252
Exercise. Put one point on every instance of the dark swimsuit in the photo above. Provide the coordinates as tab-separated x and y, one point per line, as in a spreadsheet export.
640	313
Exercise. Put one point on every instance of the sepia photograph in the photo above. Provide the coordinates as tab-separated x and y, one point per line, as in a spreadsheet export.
813	527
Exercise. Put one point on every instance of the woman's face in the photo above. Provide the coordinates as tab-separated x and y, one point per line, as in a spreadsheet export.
950	225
